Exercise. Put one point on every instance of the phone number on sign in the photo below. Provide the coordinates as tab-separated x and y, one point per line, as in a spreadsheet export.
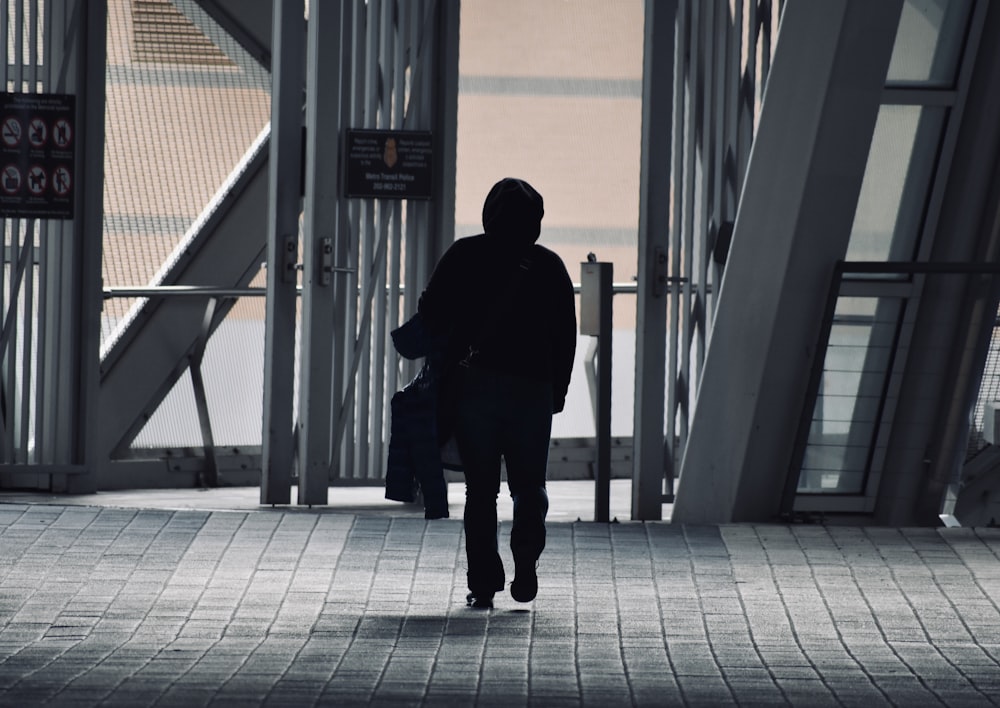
389	187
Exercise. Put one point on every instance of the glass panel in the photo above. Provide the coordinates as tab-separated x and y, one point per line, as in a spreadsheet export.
929	42
846	415
893	195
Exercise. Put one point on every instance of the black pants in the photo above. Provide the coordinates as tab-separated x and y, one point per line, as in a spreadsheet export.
509	417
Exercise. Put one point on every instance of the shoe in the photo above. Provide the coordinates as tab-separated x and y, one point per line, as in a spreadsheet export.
479	602
525	585
488	588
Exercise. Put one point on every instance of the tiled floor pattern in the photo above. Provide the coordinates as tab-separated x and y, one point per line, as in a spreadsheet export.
133	607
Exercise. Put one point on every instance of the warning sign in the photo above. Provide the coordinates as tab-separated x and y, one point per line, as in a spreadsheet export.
36	151
38	132
36	180
62	133
389	164
10	181
62	180
11	132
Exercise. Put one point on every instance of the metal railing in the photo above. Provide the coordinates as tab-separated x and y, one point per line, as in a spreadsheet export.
855	383
209	475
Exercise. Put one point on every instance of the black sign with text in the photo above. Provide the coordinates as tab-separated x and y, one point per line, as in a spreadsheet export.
37	155
389	164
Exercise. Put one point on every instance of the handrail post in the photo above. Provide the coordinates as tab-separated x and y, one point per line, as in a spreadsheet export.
596	290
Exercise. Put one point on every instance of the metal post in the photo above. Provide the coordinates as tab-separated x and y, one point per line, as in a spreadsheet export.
284	170
595	320
651	460
328	28
85	332
445	125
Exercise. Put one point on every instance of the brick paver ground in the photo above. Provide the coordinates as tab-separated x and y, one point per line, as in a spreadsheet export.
128	607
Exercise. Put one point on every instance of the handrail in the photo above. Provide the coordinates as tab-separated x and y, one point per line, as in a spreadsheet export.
183	290
212	291
917	267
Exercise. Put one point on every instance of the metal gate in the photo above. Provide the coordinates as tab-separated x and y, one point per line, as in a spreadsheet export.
712	84
47	298
393	67
393	243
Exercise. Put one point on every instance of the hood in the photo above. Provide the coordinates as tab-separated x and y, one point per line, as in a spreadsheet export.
514	210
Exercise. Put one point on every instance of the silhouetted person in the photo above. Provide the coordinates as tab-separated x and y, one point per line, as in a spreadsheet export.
508	307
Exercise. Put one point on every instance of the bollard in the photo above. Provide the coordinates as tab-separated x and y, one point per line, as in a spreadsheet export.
595	320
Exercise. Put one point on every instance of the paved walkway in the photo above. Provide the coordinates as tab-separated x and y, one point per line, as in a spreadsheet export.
133	607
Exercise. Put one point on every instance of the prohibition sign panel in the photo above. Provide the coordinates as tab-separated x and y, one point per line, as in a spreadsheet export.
37	132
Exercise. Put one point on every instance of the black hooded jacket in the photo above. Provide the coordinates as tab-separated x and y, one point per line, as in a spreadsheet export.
522	324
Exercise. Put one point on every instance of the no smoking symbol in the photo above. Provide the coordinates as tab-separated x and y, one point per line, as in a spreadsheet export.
11	132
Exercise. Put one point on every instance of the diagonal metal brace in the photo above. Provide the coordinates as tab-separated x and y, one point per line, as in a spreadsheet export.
209	475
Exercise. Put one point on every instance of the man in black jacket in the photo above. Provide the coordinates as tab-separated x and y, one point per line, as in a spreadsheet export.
508	307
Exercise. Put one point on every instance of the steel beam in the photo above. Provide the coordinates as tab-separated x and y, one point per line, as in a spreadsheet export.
956	320
283	208
225	247
650	460
326	64
86	327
